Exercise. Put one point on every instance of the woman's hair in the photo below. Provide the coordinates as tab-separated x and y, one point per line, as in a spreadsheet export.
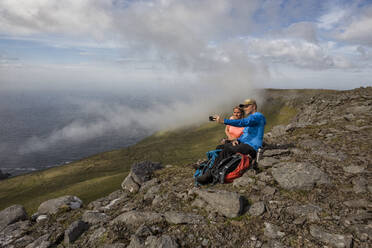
240	109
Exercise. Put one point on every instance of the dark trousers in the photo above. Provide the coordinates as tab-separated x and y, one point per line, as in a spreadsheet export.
227	151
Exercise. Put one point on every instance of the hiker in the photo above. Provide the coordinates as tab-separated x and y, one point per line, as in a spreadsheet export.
248	143
232	132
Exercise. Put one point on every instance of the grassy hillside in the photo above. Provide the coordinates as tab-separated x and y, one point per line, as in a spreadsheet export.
98	175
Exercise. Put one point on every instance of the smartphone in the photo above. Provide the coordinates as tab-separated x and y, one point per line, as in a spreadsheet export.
211	118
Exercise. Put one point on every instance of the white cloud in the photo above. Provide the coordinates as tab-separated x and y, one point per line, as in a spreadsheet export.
359	29
296	53
301	30
331	19
51	16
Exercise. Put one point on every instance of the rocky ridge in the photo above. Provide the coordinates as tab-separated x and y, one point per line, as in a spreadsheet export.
312	189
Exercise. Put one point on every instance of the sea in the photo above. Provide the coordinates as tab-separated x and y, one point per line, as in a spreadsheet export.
43	129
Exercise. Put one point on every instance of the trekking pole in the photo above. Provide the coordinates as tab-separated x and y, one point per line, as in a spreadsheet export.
259	154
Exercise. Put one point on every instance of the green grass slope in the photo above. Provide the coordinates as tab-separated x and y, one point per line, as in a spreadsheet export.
98	175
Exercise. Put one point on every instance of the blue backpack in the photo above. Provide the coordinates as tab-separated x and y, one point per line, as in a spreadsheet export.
203	167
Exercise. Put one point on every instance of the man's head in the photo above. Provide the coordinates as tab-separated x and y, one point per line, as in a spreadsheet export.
249	106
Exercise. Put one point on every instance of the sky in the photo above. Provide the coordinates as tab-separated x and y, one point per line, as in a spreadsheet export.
173	44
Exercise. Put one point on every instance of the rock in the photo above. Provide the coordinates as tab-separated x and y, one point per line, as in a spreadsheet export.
41	218
24	241
278	130
115	245
243	181
143	171
144	231
130	185
272	231
275	244
164	241
264	177
137	218
205	242
182	218
97	234
304	210
359	110
11	215
54	205
152	192
360	185
13	232
276	152
360	203
257	209
114	203
352	128
360	217
135	242
199	203
349	117
41	242
74	231
95	217
311	144
353	169
336	240
157	200
149	184
299	176
363	232
309	211
268	162
229	204
269	191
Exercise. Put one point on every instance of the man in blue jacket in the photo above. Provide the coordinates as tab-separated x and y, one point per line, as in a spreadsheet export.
252	137
249	142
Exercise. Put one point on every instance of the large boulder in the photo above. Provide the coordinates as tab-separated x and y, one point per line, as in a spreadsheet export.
95	217
229	204
137	218
11	215
74	231
13	232
309	211
41	242
272	231
139	175
336	240
52	206
130	185
143	171
299	176
163	241
182	218
257	209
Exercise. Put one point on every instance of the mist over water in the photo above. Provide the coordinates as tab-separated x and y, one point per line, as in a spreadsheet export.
48	128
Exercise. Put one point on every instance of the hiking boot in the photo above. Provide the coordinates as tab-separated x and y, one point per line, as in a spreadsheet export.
206	178
195	166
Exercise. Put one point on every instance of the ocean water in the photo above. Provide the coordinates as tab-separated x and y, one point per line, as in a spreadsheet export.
44	129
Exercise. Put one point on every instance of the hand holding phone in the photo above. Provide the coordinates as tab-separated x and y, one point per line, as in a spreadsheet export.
212	118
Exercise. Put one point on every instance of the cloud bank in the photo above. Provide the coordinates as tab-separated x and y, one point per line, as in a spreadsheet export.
216	52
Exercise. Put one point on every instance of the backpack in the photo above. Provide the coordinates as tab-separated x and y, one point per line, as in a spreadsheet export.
226	170
203	167
230	168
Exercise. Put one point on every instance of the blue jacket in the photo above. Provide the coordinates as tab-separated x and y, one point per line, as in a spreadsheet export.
254	129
